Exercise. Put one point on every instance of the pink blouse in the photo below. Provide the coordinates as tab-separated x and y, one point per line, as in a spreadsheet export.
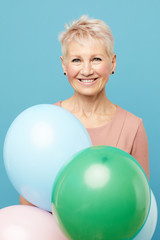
126	132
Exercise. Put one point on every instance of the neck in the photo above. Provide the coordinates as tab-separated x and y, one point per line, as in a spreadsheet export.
89	105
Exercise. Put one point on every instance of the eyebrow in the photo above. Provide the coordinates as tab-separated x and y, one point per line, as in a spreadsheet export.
77	56
96	54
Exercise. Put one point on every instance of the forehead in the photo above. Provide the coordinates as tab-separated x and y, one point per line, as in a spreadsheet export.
85	46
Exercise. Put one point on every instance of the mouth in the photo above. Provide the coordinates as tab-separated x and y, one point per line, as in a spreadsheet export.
87	80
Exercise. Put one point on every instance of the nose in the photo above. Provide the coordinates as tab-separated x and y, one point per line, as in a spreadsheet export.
87	69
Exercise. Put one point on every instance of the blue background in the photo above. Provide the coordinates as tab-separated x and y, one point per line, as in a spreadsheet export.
31	72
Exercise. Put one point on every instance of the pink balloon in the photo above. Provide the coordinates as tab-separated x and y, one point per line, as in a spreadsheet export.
22	222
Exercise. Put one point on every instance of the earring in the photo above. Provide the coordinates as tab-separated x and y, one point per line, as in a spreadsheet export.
112	72
64	73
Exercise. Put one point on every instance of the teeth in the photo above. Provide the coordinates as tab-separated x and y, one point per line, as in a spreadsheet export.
87	81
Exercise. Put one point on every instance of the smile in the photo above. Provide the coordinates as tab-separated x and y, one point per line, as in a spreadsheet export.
87	80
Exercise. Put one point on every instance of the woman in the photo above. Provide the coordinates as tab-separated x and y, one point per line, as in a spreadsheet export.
88	60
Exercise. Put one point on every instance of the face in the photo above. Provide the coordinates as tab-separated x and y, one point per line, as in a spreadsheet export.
88	66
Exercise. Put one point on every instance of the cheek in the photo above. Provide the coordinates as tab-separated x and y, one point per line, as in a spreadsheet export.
71	71
103	70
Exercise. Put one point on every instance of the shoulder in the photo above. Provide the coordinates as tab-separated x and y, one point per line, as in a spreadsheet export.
130	119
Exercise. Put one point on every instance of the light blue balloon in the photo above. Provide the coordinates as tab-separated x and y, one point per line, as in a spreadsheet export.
39	141
148	229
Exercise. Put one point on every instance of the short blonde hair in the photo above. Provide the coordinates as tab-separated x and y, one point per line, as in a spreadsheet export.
87	28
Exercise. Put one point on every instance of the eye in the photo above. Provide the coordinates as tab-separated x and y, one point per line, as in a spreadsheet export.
76	60
97	59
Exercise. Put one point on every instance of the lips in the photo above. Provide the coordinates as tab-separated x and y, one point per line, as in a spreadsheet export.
87	80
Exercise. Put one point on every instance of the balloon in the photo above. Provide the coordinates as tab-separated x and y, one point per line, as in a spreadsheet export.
102	193
149	226
28	223
37	144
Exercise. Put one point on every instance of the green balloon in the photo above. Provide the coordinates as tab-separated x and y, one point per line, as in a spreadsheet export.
101	193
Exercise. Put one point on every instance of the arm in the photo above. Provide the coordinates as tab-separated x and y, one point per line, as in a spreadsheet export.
140	148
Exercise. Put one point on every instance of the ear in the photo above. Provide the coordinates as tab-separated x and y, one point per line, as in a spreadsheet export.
63	64
113	63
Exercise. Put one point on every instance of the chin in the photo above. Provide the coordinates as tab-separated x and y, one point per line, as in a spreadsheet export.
88	93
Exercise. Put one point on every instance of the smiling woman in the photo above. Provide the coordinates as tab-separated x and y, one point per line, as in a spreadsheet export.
88	66
88	60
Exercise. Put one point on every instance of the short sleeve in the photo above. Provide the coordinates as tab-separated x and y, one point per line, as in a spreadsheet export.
140	148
